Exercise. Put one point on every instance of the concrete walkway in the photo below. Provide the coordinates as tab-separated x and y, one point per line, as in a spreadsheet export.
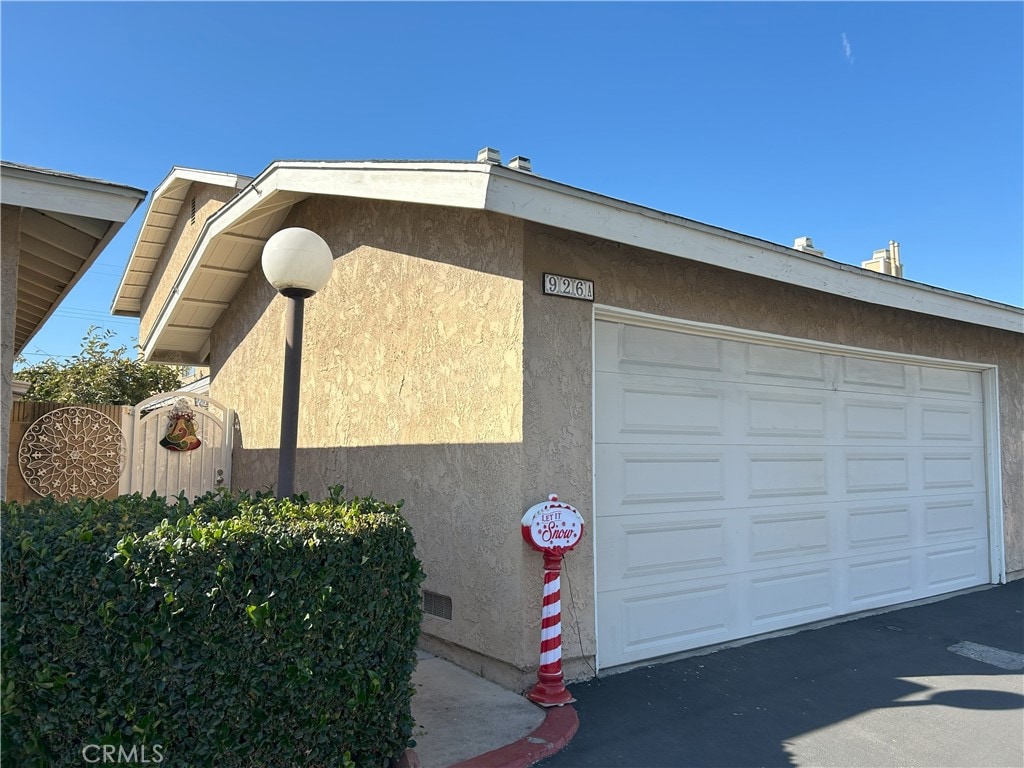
461	717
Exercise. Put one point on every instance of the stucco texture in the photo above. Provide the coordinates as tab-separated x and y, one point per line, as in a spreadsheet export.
436	371
411	389
10	244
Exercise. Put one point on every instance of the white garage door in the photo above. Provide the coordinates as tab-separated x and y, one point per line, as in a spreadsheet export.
744	487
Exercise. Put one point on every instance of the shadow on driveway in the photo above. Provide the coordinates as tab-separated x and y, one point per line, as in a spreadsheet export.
877	691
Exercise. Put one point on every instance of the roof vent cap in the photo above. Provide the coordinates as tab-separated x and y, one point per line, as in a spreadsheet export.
488	155
520	163
806	245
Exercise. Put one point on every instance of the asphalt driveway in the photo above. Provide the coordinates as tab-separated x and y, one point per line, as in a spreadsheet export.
935	685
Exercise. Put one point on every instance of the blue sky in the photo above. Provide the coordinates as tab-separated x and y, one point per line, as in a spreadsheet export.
852	123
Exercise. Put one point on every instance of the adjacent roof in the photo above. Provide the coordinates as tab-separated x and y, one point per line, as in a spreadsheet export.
66	222
232	240
161	216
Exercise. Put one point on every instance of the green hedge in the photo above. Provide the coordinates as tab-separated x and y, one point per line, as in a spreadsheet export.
234	631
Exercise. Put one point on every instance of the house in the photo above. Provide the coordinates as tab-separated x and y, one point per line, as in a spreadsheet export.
757	437
54	226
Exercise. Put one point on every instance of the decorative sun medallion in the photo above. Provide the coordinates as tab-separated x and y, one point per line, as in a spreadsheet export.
71	452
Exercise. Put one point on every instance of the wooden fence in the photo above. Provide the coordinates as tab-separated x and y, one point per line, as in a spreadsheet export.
71	458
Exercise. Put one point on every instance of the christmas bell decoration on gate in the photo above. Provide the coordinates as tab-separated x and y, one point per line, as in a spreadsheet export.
181	433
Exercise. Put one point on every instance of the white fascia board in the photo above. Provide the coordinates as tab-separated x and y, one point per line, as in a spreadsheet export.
26	188
217	178
544	202
458	185
177	176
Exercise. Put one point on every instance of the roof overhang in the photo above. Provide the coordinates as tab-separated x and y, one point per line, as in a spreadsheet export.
66	222
161	217
232	240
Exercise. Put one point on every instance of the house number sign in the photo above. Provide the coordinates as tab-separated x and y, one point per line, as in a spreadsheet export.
571	287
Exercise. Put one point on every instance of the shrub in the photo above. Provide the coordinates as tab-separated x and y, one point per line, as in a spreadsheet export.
237	630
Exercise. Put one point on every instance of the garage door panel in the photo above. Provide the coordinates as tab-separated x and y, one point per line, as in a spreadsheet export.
874	581
787	474
871	375
658	409
643	624
952	470
780	364
625	349
744	487
652	549
956	566
877	472
787	597
949	384
872	420
654	409
793	414
802	534
887	525
658	478
943	422
954	517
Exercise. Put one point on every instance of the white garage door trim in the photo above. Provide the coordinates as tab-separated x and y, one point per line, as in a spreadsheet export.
990	408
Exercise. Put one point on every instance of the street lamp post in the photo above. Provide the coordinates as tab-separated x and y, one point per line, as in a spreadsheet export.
297	263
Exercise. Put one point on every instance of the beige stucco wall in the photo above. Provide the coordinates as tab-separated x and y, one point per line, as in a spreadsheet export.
10	244
558	363
435	370
209	198
411	389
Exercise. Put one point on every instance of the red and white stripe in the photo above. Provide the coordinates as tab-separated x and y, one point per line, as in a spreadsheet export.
551	625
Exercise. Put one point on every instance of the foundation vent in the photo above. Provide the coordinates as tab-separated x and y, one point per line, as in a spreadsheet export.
437	605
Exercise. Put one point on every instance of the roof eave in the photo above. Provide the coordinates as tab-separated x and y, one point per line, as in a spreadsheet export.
123	306
532	198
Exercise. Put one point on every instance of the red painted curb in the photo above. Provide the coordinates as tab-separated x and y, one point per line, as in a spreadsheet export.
549	737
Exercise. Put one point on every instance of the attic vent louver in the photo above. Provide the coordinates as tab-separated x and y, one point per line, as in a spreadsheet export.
437	605
520	163
193	210
488	155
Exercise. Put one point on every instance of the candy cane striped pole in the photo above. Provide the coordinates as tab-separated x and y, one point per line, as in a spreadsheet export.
550	691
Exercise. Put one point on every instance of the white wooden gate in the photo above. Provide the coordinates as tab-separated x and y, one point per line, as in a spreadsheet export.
151	467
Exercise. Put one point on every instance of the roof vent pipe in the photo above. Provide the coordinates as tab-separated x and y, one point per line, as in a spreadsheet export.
488	155
520	163
806	245
886	260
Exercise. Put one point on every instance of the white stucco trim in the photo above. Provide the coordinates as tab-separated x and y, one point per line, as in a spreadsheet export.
993	474
990	400
593	483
